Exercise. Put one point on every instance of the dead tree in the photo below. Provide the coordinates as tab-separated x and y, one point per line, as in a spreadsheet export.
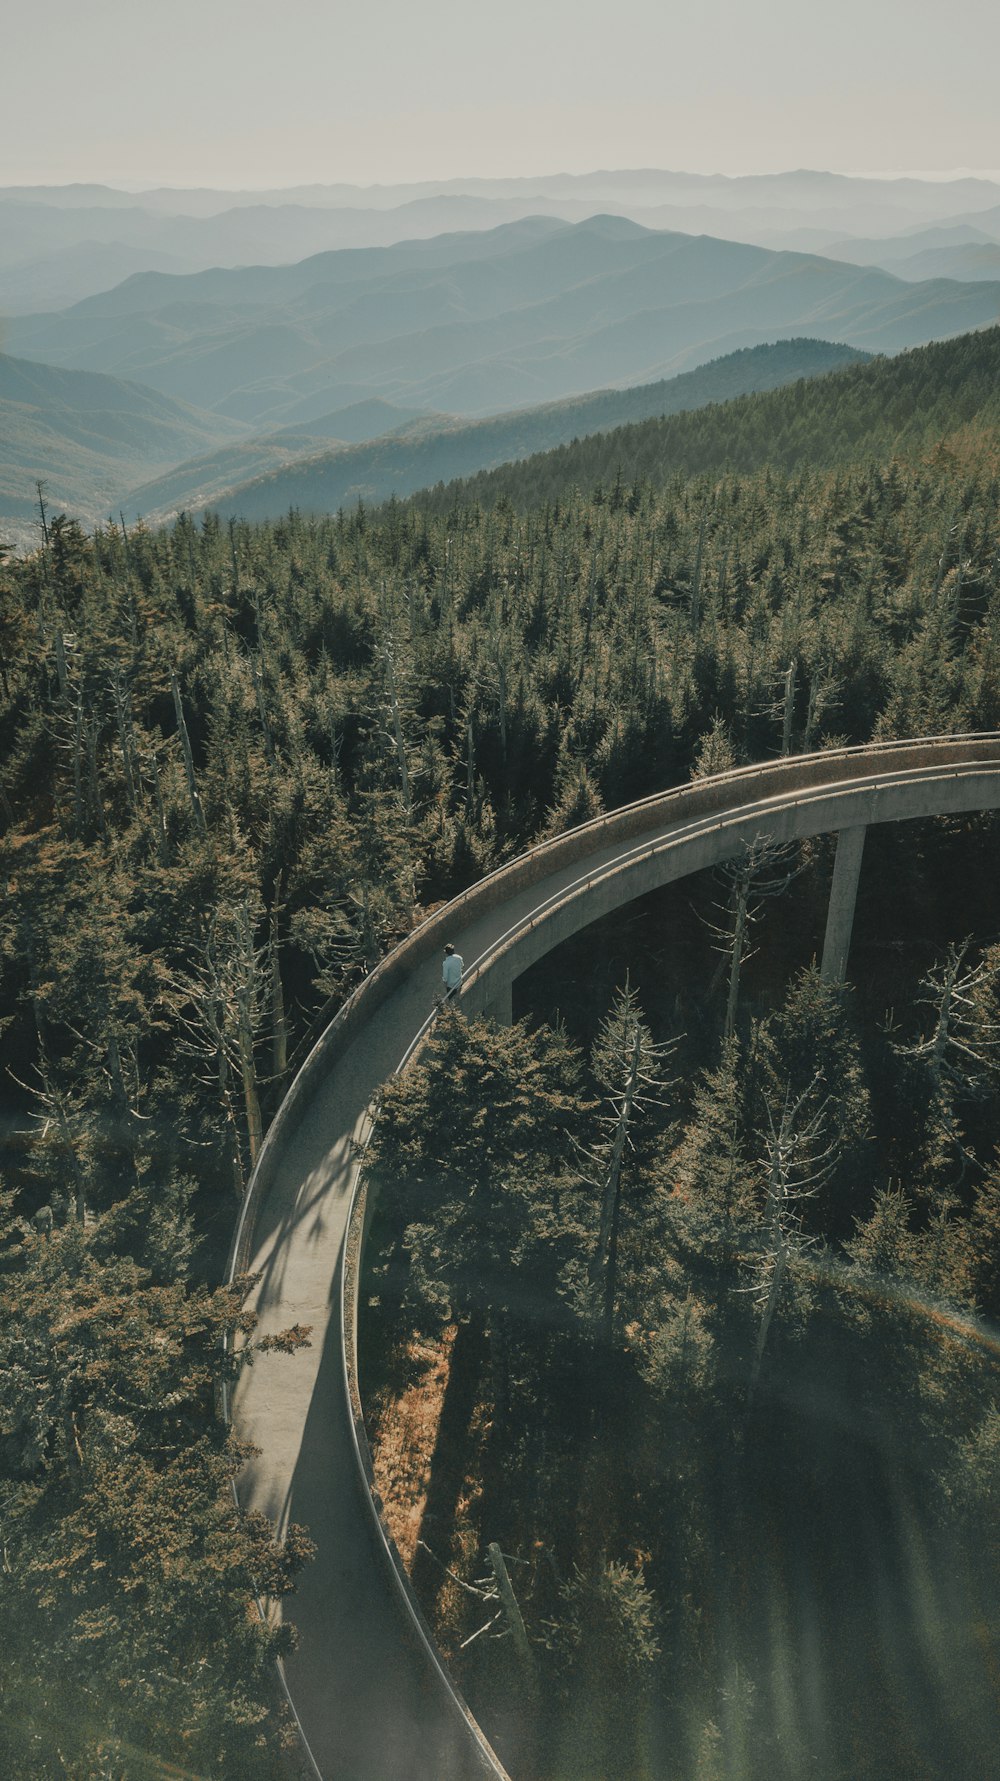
961	1051
279	1017
494	1589
797	1160
823	698
265	727
764	869
66	1125
220	1005
192	783
630	1068
397	717
122	700
40	491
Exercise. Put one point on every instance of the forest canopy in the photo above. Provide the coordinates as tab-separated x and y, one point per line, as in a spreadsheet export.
237	763
890	407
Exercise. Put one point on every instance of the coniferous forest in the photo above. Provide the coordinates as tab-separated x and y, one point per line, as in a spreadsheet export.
713	1352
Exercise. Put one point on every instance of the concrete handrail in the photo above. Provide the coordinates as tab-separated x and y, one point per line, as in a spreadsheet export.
700	797
852	778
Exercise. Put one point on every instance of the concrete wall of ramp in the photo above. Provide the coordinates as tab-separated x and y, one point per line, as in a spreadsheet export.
698	839
559	887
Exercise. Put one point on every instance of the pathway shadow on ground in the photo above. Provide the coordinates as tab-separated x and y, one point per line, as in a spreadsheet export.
409	1738
449	1464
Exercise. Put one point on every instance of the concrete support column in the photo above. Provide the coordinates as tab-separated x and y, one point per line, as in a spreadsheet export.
843	896
500	1006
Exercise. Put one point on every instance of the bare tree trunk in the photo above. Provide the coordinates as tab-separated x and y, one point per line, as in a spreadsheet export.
119	1095
695	612
250	1096
40	491
470	767
742	892
279	1050
789	710
512	1612
604	1266
776	1189
269	754
939	1048
781	1254
502	701
58	1106
182	731
78	822
162	840
61	673
399	741
96	799
126	740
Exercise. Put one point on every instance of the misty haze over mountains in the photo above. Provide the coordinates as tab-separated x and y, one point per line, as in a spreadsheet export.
415	455
223	349
108	446
61	243
475	323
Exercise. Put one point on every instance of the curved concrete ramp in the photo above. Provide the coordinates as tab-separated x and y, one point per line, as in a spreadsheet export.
372	1697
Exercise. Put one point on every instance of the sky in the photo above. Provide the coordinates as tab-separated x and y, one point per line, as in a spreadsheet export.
258	93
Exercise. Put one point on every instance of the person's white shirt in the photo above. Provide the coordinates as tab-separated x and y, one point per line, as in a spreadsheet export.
451	970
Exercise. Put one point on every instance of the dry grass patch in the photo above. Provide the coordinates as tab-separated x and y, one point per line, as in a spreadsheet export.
405	1432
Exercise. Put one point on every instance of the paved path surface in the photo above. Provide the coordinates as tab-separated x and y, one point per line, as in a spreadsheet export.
369	1700
369	1707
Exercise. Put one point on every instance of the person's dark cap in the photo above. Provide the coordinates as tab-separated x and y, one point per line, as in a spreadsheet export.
449	947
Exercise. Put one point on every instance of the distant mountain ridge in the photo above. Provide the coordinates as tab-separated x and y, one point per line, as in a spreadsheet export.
59	244
473	324
872	411
658	183
88	437
432	451
92	439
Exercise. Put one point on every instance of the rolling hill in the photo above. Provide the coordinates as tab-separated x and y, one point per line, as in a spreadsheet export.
868	412
208	481
95	440
970	260
474	324
964	249
89	437
431	451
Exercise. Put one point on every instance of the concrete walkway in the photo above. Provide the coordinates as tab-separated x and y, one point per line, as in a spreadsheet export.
369	1704
370	1701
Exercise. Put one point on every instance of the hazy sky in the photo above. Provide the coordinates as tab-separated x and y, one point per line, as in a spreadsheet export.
275	92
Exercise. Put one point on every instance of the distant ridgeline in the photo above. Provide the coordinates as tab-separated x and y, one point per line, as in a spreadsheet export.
91	437
439	448
876	410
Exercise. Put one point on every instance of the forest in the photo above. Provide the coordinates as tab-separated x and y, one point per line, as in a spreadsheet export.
706	1321
894	406
239	762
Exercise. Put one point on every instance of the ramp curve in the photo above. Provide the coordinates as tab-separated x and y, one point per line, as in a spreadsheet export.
371	1694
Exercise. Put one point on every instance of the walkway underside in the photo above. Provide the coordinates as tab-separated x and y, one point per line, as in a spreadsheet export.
371	1703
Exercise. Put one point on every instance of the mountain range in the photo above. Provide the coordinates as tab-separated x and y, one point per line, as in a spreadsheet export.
481	322
376	370
58	244
89	437
940	398
420	454
100	444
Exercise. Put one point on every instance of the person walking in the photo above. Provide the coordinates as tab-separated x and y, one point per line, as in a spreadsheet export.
451	971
